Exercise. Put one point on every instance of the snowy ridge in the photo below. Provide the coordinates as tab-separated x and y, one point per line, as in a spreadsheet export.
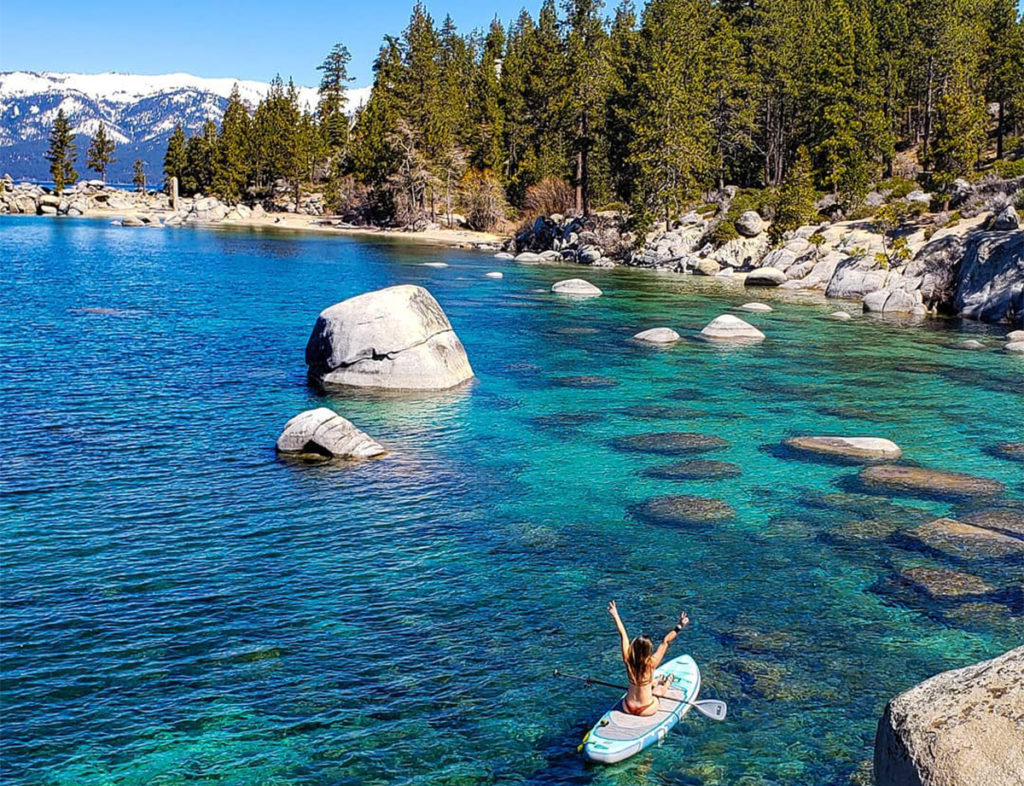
139	111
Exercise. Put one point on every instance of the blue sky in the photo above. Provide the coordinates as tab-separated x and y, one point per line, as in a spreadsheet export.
216	38
249	40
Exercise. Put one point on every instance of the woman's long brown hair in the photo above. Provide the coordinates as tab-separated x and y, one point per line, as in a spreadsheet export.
638	660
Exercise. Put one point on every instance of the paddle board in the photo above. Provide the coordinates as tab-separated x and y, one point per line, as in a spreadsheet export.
619	734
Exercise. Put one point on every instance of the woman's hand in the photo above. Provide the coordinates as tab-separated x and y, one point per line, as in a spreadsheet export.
683	619
613	610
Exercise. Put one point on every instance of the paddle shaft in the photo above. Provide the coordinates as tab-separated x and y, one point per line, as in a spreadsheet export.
712	708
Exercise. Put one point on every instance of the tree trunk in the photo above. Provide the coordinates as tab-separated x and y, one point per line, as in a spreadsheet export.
999	132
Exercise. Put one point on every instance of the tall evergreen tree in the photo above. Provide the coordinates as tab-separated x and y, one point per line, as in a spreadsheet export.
487	140
672	139
61	153
232	160
100	154
139	175
175	159
334	98
959	128
620	106
586	46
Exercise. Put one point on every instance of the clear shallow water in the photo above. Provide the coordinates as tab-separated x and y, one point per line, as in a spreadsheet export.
181	606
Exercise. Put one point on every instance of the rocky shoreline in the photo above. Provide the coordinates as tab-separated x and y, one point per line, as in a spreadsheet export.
969	263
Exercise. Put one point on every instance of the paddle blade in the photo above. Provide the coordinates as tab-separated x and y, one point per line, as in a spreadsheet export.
716	710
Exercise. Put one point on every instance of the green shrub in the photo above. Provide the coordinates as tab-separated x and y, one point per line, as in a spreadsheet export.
898	186
1009	169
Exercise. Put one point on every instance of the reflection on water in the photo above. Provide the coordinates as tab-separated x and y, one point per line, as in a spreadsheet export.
180	605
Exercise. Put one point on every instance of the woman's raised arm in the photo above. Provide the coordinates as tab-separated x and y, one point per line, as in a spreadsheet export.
621	628
659	654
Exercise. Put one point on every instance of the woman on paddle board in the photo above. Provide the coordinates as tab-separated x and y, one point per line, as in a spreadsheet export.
641	660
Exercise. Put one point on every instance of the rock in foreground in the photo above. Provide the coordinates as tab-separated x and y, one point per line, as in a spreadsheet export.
325	434
397	338
730	328
959	728
851	448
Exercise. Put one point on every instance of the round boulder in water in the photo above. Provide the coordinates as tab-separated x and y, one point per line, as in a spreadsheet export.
730	328
685	510
756	308
397	338
918	481
658	335
670	443
321	433
494	274
840	316
698	469
859	449
765	277
575	287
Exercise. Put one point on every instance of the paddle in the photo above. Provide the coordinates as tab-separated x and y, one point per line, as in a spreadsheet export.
711	708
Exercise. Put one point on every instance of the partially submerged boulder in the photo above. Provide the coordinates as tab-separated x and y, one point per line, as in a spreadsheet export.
959	728
575	287
965	541
731	328
397	338
756	308
765	277
322	433
658	335
860	449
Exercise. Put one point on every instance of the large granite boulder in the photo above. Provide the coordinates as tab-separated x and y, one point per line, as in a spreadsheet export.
1007	220
750	224
854	277
397	338
575	287
765	277
991	279
324	434
959	728
658	335
730	328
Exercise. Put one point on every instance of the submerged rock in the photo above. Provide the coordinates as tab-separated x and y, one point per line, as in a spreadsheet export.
698	469
1011	451
397	338
928	482
959	728
841	316
941	583
325	434
1009	521
576	287
757	308
730	328
684	510
965	541
860	449
672	443
658	335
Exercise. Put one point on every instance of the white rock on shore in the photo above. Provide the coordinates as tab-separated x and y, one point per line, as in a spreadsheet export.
731	328
323	433
958	728
397	338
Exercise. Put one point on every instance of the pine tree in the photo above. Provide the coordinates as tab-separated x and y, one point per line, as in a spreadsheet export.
373	157
1004	64
334	98
587	78
489	116
139	175
61	153
232	158
621	100
732	108
672	144
959	128
100	154
175	159
795	205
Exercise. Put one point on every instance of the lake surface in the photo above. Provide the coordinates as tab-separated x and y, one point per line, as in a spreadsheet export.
181	606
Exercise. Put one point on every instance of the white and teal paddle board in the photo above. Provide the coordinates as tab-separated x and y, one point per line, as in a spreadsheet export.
619	734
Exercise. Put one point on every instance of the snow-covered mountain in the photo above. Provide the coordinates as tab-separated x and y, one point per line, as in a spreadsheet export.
140	112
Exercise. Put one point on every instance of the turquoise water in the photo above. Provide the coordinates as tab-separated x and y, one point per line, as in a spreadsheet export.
181	606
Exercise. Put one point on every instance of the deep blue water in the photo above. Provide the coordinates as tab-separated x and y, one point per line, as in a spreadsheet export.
179	605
